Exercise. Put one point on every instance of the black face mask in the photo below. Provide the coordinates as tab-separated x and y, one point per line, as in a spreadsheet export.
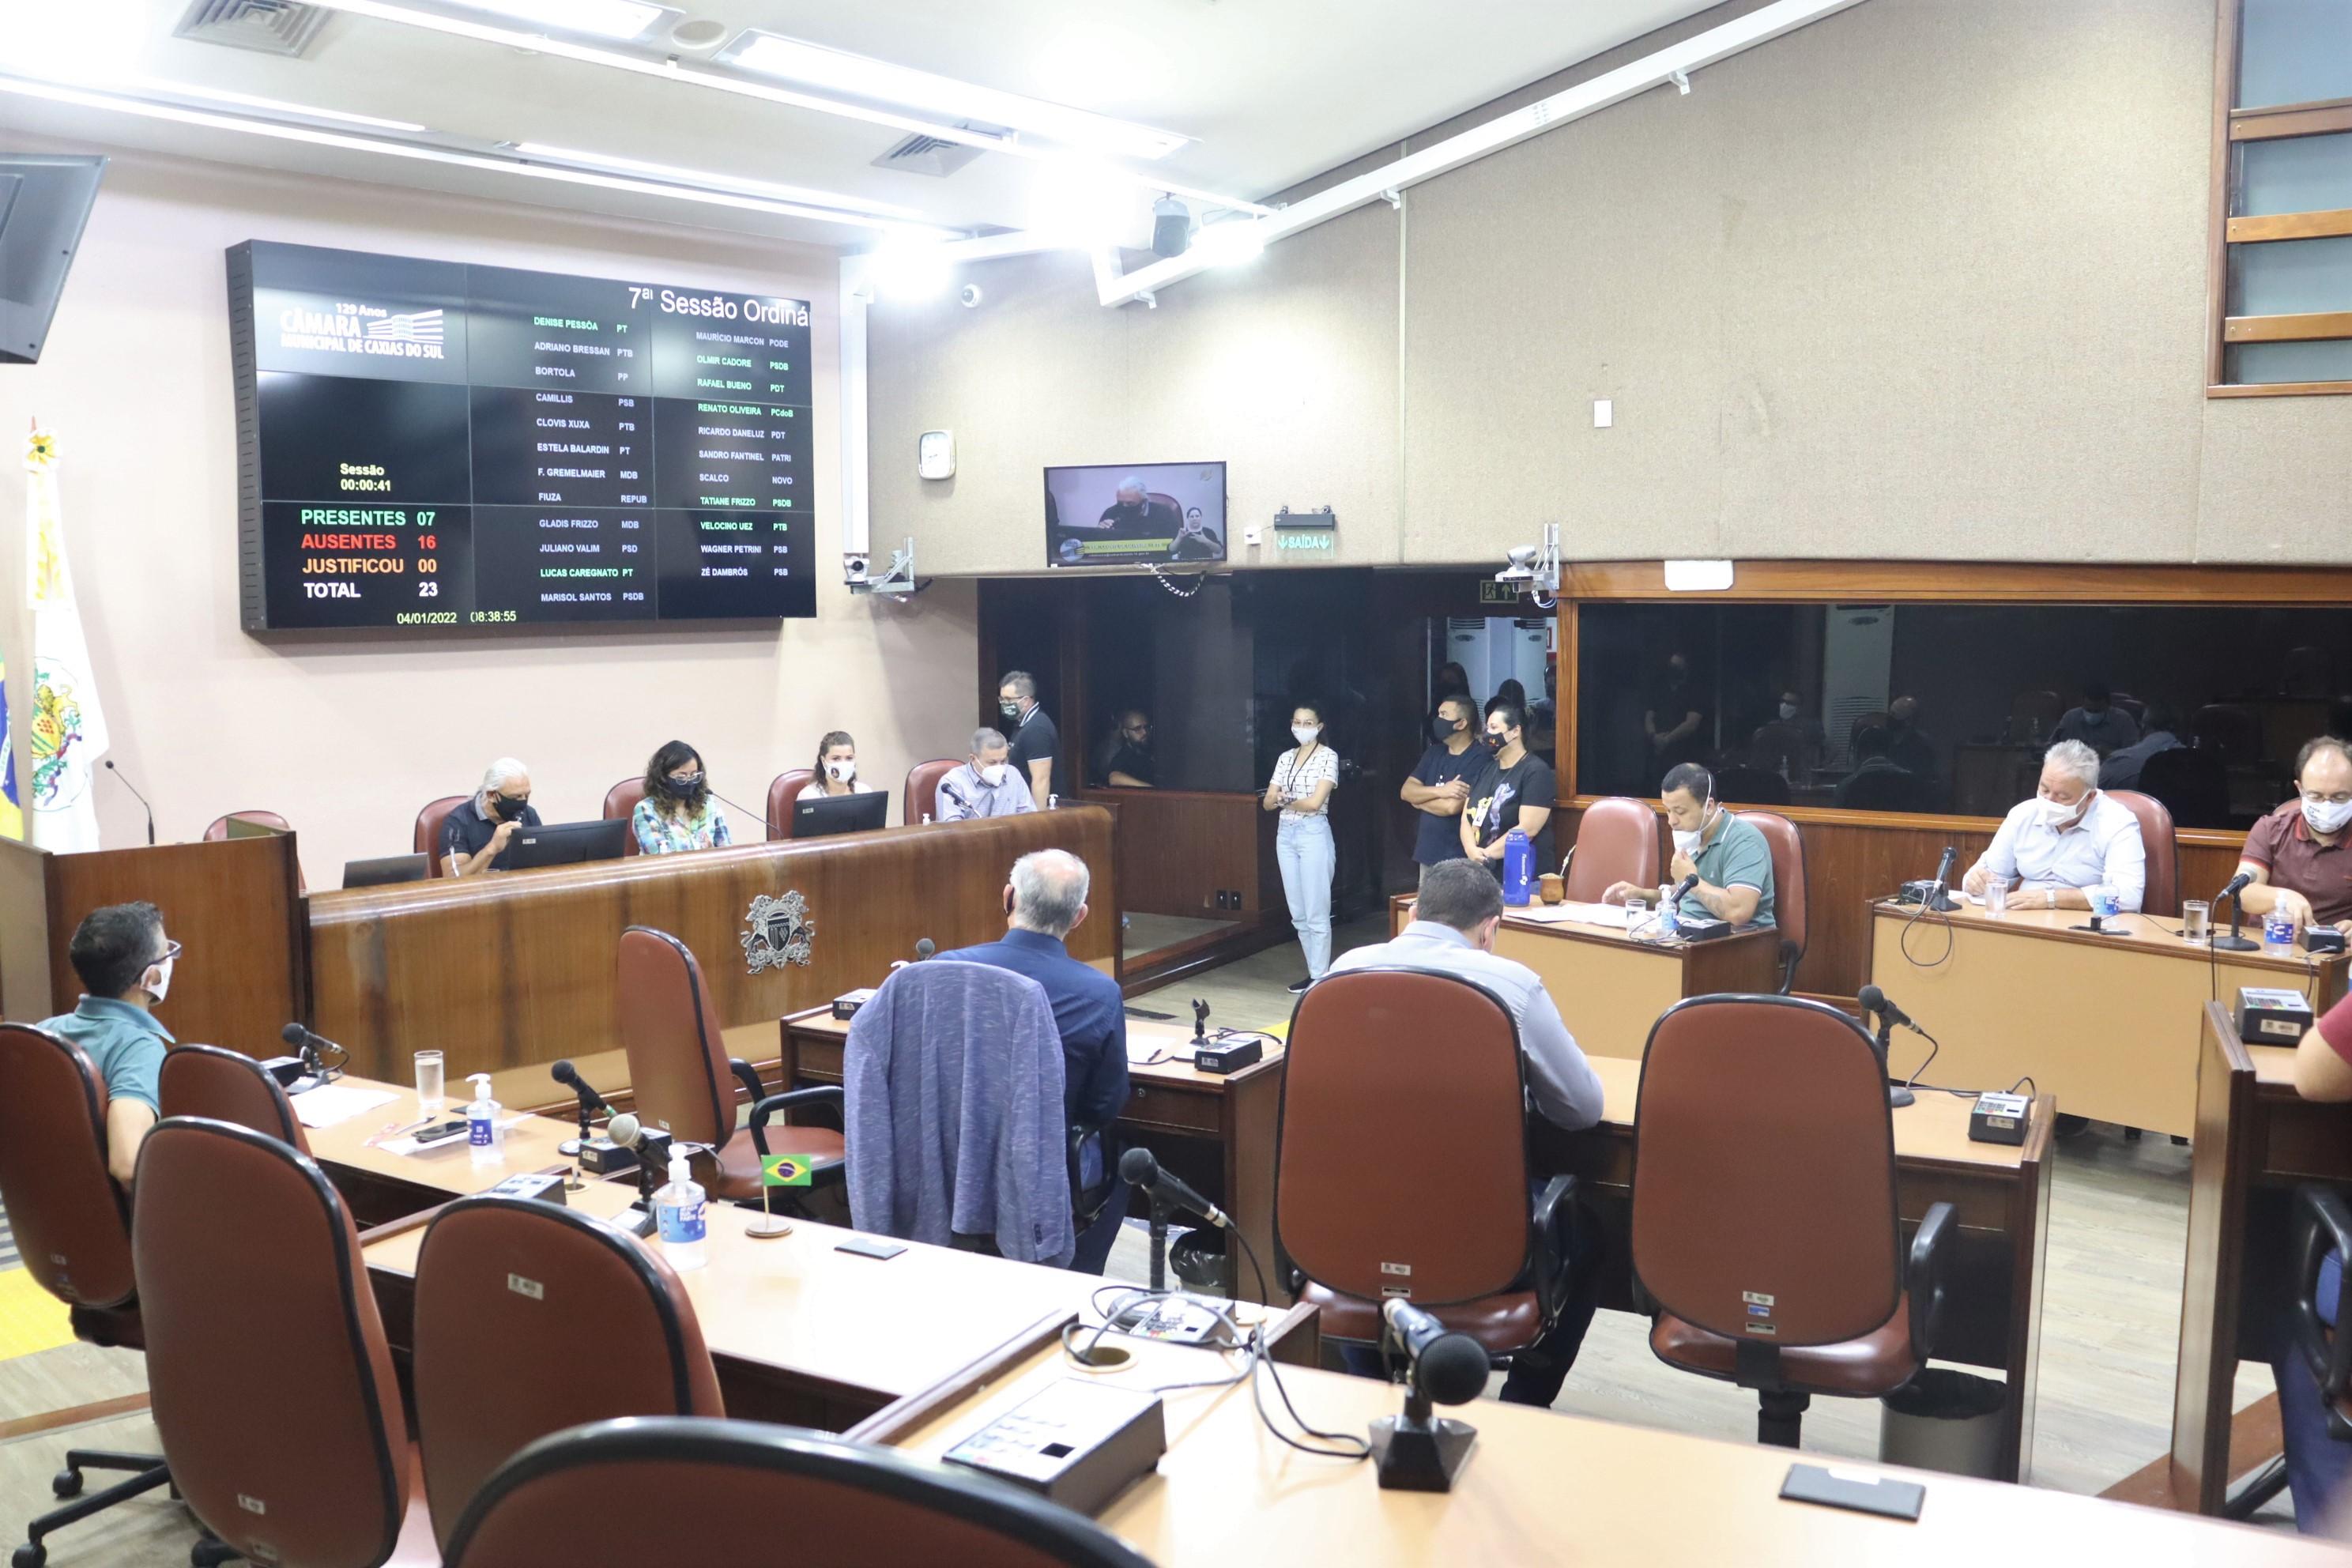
1495	743
510	809
685	788
1442	729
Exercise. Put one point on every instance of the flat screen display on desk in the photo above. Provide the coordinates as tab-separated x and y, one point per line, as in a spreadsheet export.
1127	515
427	442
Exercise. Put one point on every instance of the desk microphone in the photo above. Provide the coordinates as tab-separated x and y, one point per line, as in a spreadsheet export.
1873	1000
1688	883
310	1046
924	948
1444	1366
1935	898
1137	1168
771	824
591	1102
2233	943
141	798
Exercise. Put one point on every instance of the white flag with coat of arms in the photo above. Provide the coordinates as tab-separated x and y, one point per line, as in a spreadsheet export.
67	728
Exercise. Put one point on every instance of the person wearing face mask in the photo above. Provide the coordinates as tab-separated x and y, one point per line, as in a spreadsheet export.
2098	724
1304	778
1727	853
1790	743
1037	746
1450	772
985	786
677	811
1519	790
836	769
124	961
474	835
1124	759
2298	855
2070	837
1453	933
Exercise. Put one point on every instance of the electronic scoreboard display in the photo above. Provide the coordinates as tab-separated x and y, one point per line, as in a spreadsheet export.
425	443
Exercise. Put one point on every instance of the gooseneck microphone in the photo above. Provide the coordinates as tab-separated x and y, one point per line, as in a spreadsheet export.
1873	1000
1138	1168
564	1073
135	795
312	1045
1935	898
2234	942
1419	1450
2236	884
924	948
1444	1367
771	823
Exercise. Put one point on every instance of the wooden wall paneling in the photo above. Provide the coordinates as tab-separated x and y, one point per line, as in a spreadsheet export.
25	996
1179	848
2290	226
508	971
2296	329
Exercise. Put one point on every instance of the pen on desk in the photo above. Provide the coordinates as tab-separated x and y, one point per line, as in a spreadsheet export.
393	1130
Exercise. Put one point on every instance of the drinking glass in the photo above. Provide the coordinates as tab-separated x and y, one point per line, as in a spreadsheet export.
1637	914
2196	921
428	1083
1996	895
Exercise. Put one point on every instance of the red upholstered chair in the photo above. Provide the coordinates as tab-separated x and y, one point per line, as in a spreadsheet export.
2163	894
786	790
218	830
726	1488
923	788
429	829
497	1368
1616	841
1789	888
275	1397
684	1081
228	1086
1765	1225
1358	1088
620	802
70	1225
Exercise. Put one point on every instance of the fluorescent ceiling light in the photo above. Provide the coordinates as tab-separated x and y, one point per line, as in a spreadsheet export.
59	92
909	270
811	65
705	177
1225	244
247	100
604	18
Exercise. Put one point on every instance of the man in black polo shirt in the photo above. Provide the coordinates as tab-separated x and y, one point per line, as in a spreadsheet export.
1036	752
473	836
1447	781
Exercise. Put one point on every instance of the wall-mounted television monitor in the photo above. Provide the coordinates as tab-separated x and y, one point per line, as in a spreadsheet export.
1134	514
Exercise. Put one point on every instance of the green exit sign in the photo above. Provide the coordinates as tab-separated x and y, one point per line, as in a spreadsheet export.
1322	542
1492	592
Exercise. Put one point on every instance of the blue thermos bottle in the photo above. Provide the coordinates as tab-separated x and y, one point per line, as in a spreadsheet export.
1518	869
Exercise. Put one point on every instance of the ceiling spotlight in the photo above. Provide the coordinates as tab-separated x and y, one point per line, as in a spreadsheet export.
910	271
1171	227
699	33
1227	243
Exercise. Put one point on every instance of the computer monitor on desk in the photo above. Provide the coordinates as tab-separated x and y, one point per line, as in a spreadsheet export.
567	843
821	815
387	868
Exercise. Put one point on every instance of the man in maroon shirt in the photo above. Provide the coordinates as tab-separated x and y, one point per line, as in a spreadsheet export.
2298	856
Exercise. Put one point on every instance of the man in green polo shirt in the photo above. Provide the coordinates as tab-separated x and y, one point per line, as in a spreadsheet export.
125	962
1731	857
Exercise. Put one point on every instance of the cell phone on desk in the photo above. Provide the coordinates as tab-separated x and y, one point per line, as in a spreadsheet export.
441	1134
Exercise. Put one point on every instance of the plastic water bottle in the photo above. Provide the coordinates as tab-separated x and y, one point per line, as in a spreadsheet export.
482	1122
1518	869
680	1214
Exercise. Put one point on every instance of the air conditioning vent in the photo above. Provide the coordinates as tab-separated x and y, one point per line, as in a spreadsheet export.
271	27
921	154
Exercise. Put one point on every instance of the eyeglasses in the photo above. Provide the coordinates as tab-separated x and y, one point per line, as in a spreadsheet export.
171	951
2341	797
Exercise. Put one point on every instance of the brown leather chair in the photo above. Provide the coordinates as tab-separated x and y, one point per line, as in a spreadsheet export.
275	1397
1359	1086
620	804
1616	841
227	1085
786	790
683	1080
218	831
739	1491
1765	1225
1789	888
498	1367
74	1235
923	794
2323	1224
2162	896
429	829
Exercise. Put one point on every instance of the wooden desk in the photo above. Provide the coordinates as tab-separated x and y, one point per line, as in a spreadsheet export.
2000	1193
379	1185
1217	1132
2108	1024
1610	988
1541	1489
2255	1140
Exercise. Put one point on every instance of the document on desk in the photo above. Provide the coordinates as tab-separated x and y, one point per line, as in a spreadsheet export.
410	1147
331	1103
1583	914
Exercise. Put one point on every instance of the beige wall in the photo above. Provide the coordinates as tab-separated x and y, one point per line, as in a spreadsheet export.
1923	279
348	737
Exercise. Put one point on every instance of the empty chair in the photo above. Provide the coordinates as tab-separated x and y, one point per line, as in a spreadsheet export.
684	1081
227	1085
68	1215
218	828
2162	895
1616	841
995	1174
621	804
428	828
922	793
1764	1205
733	1491
498	1368
2192	783
1788	888
1750	786
782	793
267	1366
1453	1219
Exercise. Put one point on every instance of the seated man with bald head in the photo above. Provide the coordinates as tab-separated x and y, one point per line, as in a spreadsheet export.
1043	903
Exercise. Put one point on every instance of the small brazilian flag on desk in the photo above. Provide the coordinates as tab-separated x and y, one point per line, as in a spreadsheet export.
786	1170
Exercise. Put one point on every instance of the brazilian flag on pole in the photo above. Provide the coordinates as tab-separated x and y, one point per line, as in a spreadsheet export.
786	1170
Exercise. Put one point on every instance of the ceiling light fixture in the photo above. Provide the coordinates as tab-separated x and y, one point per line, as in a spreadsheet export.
248	100
858	76
706	177
910	270
59	92
622	19
1229	243
669	69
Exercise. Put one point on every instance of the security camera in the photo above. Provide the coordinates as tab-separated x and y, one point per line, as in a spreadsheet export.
1521	567
971	296
855	570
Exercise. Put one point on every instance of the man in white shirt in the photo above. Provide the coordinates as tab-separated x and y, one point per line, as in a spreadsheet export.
985	786
1453	933
2070	837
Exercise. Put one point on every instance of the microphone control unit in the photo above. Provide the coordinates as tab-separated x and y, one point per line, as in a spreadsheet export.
1076	1443
846	1006
1228	1055
602	1157
544	1187
1998	1119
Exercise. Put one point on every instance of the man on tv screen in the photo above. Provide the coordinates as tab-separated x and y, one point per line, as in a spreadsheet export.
1136	515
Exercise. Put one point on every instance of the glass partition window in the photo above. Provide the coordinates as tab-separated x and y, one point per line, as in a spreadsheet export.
1946	708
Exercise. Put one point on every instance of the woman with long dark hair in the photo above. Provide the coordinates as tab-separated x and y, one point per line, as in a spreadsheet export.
836	768
677	811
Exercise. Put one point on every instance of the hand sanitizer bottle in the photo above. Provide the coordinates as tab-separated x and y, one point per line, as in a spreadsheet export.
678	1214
482	1122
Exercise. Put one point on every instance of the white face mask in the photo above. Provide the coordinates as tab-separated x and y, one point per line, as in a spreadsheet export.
1687	842
1788	710
2057	814
1305	733
2326	816
992	773
841	772
157	981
